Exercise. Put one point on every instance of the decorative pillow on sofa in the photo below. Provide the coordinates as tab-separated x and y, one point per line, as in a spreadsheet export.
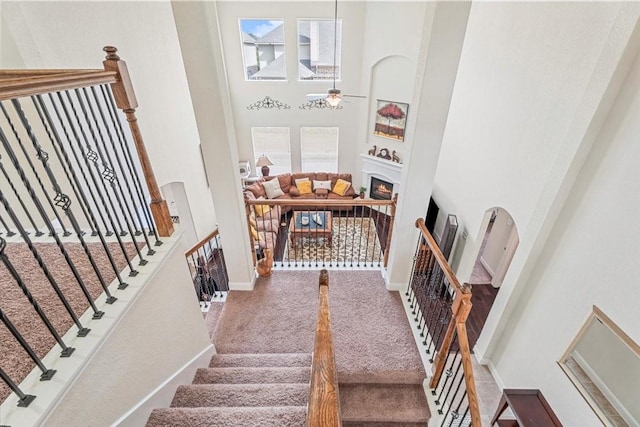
321	184
341	187
272	188
261	210
304	187
299	180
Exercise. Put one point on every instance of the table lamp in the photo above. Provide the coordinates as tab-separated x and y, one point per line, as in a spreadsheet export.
264	163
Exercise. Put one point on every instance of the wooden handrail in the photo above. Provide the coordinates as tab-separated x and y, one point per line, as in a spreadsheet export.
202	242
324	400
442	261
21	83
321	202
460	308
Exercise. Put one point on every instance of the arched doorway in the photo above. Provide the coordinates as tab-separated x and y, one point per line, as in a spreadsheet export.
180	210
499	243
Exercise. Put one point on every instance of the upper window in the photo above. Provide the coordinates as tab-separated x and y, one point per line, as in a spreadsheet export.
273	143
263	49
319	148
316	42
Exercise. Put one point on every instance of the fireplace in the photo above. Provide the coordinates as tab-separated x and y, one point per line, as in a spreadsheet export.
381	190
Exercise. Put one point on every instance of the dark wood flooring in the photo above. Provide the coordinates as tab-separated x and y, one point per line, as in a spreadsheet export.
482	299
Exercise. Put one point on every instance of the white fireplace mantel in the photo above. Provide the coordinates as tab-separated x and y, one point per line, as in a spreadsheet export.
382	169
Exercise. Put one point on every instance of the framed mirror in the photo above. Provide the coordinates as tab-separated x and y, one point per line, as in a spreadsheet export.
603	363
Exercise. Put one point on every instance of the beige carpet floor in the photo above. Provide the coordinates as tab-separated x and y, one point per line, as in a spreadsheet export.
372	335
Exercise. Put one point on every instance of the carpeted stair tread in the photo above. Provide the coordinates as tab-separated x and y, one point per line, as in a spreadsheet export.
382	403
261	360
226	395
407	376
281	416
251	375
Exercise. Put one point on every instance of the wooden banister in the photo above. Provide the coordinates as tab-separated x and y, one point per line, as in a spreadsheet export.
202	242
324	400
21	83
126	101
460	308
390	232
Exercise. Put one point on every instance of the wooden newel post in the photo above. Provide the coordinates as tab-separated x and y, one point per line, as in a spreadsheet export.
126	101
390	230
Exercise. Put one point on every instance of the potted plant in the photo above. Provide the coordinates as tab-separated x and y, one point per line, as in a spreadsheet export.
363	190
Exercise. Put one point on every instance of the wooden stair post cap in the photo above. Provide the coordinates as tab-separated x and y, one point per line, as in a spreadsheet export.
111	52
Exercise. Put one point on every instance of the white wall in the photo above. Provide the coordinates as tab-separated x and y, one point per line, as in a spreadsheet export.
72	34
523	72
292	92
590	258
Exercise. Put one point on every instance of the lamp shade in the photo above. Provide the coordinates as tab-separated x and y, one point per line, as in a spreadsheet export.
263	161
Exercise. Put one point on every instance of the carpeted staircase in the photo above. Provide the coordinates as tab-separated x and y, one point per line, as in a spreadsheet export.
242	390
380	372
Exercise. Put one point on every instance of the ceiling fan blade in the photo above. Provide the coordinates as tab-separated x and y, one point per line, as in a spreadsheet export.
353	96
315	96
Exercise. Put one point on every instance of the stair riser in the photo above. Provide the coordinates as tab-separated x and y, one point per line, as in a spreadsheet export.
227	395
252	375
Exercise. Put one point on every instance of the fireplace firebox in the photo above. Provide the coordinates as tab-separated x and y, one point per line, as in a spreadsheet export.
380	189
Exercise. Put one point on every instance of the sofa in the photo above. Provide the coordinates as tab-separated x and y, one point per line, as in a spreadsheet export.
265	219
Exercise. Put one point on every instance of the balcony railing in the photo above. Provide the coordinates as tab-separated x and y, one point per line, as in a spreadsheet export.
74	212
208	268
441	306
322	233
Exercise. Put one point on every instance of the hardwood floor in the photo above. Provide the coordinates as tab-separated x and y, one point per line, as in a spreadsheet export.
482	300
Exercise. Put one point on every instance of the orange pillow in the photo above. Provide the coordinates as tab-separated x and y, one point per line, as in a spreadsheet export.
341	187
304	187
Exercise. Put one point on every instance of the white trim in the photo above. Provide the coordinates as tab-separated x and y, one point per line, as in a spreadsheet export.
163	394
608	394
485	264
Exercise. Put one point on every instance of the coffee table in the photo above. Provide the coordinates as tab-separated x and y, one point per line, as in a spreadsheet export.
297	231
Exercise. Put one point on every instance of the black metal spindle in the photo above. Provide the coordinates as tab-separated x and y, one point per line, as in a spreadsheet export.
18	108
62	154
82	331
97	314
96	157
47	374
129	158
453	412
63	202
54	137
91	157
24	399
455	361
109	174
66	351
76	157
19	198
223	262
6	227
128	200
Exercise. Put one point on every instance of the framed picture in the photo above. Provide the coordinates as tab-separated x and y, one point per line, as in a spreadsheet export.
391	119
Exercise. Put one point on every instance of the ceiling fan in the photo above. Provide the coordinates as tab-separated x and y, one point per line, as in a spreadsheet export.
334	96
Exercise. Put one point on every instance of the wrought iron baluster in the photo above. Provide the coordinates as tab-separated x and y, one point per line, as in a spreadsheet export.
130	163
24	400
19	198
66	351
47	374
82	331
109	174
54	137
96	313
63	201
63	155
91	156
6	227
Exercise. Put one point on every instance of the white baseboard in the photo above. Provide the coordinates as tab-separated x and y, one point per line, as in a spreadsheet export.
496	376
161	397
485	264
243	286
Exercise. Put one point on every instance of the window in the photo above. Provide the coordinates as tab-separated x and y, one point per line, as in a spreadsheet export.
263	49
319	147
272	142
316	47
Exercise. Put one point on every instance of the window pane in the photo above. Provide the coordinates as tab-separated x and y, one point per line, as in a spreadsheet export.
319	146
272	142
263	49
315	49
